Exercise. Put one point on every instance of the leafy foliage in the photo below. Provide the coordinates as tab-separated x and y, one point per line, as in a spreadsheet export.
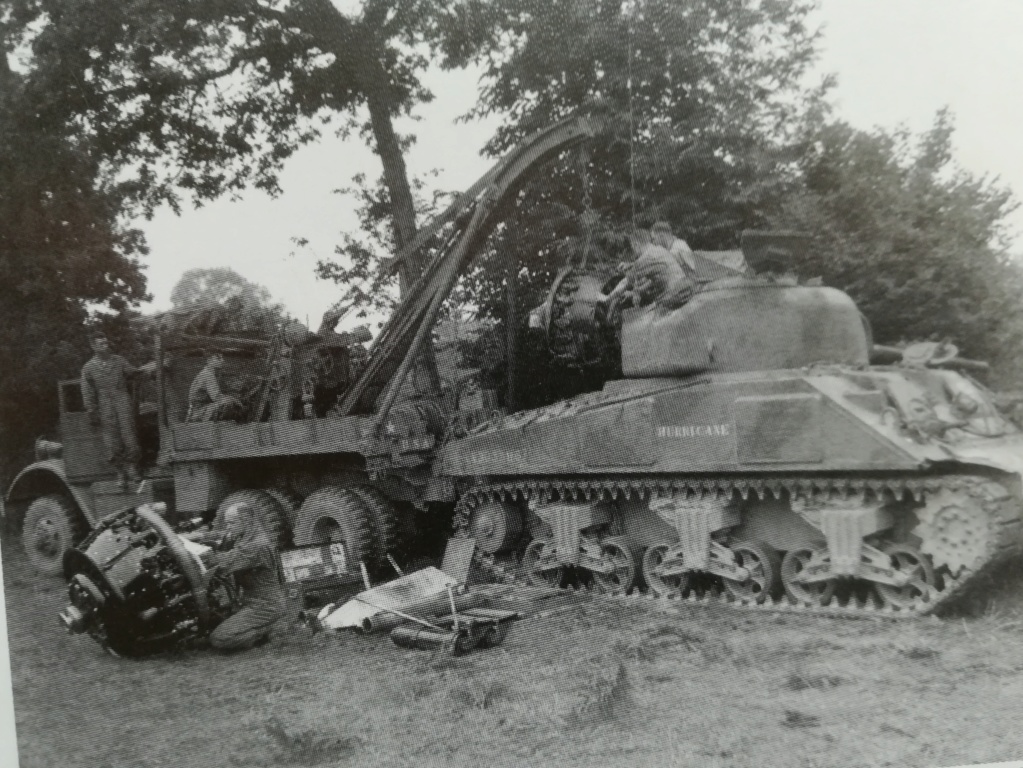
251	306
64	257
359	256
918	243
212	97
702	99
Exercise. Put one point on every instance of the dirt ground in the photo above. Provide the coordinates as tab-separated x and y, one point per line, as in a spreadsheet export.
638	683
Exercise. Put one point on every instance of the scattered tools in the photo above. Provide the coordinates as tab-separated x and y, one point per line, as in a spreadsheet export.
404	607
457	633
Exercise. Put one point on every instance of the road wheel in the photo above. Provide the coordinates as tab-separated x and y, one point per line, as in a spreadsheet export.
52	526
535	575
795	560
619	553
764	565
496	526
662	586
915	564
336	514
270	512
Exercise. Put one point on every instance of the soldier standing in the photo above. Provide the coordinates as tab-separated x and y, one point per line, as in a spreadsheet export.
107	399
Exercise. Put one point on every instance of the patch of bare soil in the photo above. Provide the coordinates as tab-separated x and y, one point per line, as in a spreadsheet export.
639	683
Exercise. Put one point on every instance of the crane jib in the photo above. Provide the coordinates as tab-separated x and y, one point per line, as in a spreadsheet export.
406	330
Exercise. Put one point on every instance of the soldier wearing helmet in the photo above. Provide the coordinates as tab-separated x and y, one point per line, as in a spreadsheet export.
250	556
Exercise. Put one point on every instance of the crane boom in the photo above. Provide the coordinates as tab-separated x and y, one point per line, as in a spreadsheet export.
476	213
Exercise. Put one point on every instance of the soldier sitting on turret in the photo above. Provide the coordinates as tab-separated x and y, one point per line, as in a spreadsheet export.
655	276
700	267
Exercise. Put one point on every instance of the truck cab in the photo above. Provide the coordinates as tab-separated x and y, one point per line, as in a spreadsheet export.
70	486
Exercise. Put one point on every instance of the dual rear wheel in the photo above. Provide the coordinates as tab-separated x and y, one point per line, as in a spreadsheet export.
360	517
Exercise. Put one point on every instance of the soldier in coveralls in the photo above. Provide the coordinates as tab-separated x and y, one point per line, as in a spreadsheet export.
107	399
656	276
206	400
252	558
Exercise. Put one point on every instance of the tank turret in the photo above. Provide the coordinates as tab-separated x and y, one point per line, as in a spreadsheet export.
744	324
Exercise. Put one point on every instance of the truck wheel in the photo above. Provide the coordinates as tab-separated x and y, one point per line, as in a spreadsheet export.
289	501
52	526
338	514
384	520
268	509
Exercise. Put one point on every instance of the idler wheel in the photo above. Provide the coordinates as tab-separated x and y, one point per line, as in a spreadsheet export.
764	565
618	552
817	593
663	586
540	576
496	526
917	566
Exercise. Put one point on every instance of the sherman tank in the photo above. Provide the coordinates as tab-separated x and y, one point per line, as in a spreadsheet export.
758	447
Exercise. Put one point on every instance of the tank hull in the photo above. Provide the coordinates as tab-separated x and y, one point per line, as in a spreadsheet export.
890	487
763	422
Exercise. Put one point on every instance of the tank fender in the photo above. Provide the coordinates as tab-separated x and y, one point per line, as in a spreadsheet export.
38	479
1004	454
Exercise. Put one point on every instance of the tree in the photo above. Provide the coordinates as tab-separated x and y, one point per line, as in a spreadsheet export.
702	99
249	304
211	97
920	244
65	261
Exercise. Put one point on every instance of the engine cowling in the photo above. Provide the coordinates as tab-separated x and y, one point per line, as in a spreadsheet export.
136	588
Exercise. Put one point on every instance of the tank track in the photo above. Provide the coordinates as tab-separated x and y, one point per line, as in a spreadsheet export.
1001	508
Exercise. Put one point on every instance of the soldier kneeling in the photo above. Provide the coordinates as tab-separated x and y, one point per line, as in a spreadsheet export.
251	558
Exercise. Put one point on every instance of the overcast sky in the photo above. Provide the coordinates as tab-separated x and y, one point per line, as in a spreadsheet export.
897	62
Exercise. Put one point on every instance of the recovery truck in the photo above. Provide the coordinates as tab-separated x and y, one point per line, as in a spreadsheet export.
338	445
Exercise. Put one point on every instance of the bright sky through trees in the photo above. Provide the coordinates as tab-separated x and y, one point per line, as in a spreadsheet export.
897	61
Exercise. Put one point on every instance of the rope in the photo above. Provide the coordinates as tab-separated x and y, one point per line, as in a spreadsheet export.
632	140
584	161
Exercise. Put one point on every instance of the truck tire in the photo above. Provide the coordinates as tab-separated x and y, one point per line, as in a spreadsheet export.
52	525
268	509
289	501
334	513
384	519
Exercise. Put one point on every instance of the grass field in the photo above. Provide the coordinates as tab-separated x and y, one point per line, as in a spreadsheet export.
604	683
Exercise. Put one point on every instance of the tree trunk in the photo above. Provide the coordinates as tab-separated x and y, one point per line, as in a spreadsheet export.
376	86
403	209
511	319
